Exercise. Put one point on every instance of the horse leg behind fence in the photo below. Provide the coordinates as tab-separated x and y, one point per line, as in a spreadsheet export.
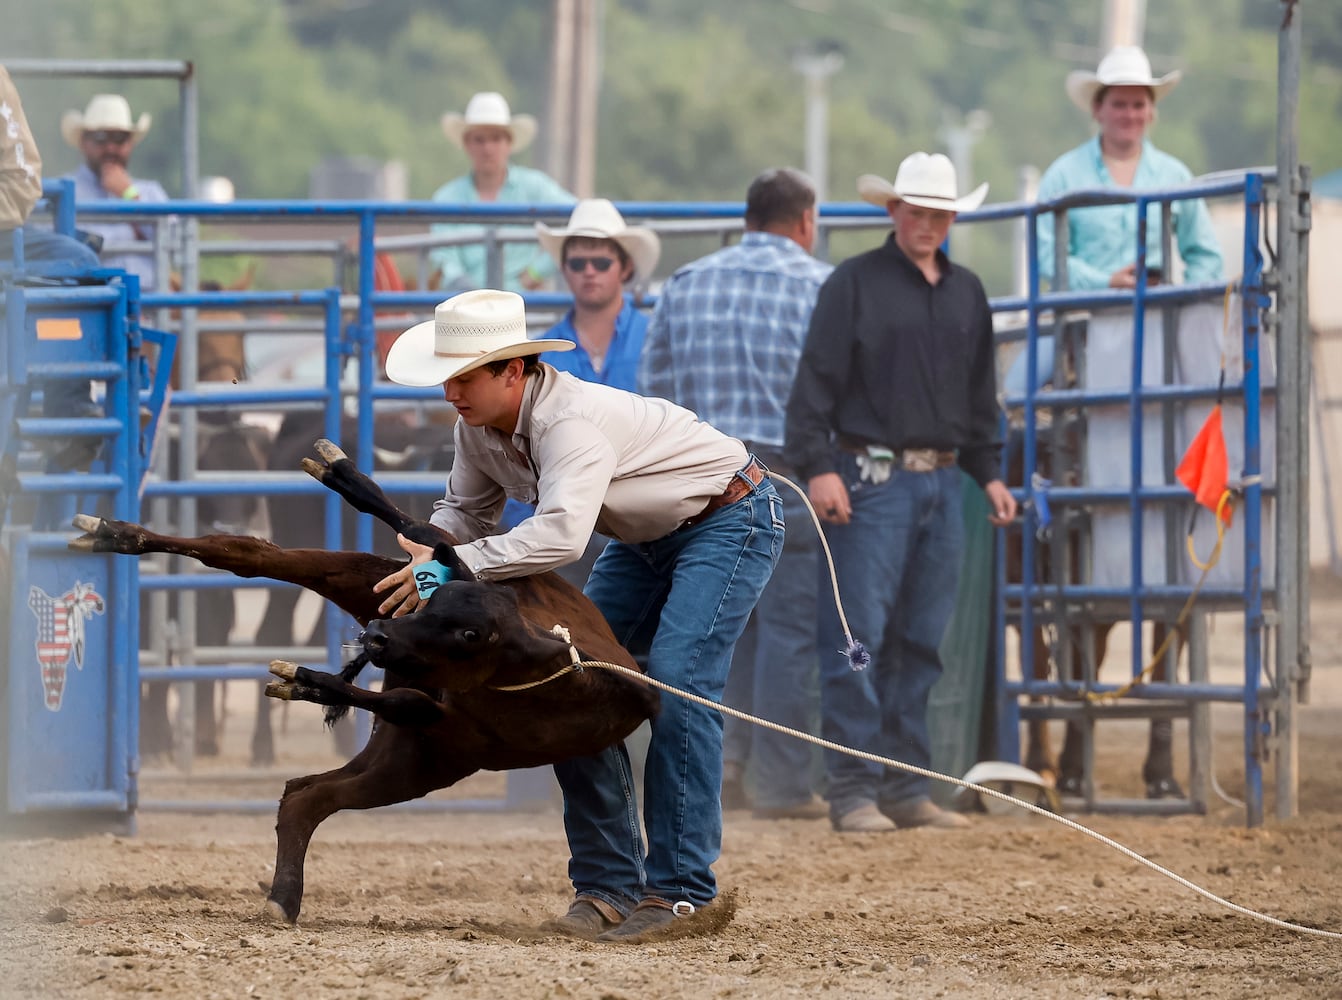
1083	639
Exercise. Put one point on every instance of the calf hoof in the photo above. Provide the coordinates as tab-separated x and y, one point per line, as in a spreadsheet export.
92	528
274	913
284	670
87	522
1164	788
282	690
329	451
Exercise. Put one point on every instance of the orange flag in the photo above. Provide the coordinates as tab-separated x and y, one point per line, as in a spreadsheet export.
1205	468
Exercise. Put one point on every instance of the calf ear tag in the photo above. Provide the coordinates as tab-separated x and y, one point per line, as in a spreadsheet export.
430	576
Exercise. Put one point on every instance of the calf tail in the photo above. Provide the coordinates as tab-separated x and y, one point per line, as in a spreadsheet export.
351	670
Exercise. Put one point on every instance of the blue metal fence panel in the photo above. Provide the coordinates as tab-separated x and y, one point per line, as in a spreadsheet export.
71	685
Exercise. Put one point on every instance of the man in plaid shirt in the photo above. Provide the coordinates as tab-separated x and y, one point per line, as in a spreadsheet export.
725	341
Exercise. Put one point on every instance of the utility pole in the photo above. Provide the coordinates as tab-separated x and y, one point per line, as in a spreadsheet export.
575	87
960	136
586	95
1124	23
817	62
558	126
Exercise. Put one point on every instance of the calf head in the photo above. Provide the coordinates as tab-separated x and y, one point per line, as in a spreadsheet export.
461	638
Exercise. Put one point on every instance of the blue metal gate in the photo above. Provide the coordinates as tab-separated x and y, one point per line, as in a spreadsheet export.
71	687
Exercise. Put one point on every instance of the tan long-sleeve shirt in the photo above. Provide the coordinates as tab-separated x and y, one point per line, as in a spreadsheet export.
20	164
591	458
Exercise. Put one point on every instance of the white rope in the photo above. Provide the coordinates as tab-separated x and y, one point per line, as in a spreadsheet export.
856	652
981	789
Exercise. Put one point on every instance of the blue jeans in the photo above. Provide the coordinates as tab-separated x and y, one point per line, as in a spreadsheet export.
774	670
683	599
47	253
898	565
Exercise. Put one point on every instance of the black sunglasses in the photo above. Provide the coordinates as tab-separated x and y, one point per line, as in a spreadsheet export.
579	264
104	138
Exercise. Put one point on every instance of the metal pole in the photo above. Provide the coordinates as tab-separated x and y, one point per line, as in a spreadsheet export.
586	95
1292	417
558	130
1124	23
817	63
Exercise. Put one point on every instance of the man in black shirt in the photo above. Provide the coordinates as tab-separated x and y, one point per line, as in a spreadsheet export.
896	393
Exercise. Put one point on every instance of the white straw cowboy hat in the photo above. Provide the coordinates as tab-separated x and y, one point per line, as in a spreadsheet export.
110	112
490	108
467	331
924	180
1124	66
598	219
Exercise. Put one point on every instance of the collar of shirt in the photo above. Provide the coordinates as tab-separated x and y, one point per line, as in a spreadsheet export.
1141	178
619	341
902	259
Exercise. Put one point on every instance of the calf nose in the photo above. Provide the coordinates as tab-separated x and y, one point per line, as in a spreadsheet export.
374	639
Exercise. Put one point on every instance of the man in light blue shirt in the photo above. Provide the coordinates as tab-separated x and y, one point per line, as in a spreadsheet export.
489	133
106	134
725	341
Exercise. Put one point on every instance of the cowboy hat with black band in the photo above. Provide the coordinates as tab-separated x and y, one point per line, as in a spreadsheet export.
467	331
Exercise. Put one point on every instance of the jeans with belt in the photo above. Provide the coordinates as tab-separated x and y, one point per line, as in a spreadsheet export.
898	565
682	599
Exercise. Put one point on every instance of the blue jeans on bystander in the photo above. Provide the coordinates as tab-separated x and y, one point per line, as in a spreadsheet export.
774	670
898	564
683	599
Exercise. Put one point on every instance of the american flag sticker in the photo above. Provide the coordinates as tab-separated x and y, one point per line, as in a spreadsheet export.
60	634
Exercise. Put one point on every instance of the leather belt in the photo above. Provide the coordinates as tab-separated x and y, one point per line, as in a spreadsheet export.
910	459
925	459
743	481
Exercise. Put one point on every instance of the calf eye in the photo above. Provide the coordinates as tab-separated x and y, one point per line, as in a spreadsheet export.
470	635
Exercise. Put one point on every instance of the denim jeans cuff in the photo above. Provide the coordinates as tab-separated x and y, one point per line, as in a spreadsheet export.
623	904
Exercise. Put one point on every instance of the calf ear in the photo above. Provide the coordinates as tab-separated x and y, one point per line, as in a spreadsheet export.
447	556
428	534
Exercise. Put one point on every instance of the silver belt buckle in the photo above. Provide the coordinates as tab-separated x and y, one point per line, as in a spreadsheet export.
920	459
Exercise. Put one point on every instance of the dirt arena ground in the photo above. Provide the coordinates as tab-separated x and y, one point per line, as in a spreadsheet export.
402	905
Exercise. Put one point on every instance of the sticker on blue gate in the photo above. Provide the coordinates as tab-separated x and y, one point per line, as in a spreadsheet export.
60	634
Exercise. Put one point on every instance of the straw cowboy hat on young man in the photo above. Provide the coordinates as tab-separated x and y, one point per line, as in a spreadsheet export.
598	219
105	113
924	180
490	109
467	331
1124	66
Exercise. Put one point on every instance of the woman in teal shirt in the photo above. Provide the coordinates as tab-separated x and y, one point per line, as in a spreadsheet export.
1102	241
490	133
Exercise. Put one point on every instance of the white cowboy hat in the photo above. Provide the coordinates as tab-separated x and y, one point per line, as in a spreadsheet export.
1009	779
598	219
1124	66
110	112
467	331
490	108
924	180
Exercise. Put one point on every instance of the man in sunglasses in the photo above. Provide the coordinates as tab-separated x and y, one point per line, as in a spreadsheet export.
600	258
106	134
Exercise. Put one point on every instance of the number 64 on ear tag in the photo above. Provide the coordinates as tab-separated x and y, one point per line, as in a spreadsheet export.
430	576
